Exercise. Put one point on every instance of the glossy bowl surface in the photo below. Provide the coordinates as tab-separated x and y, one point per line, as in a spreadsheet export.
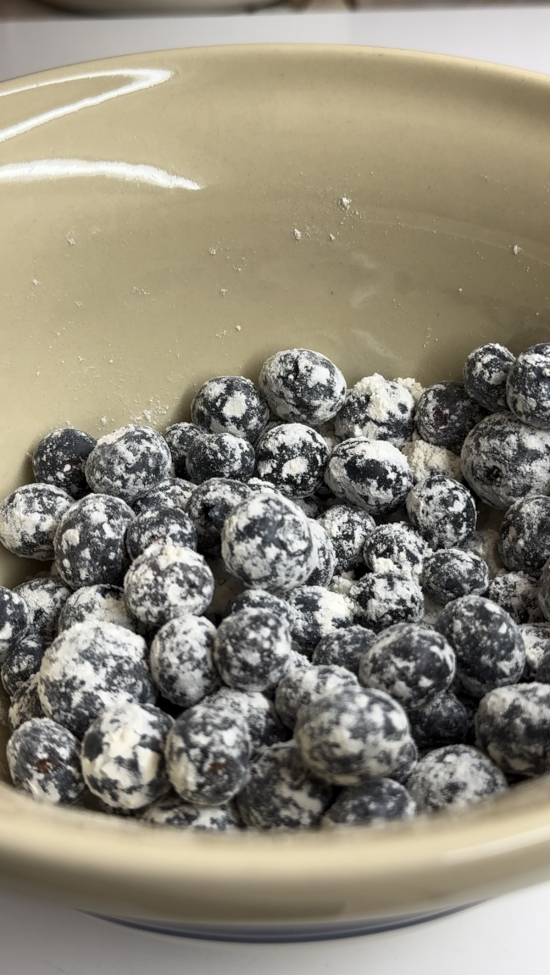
168	217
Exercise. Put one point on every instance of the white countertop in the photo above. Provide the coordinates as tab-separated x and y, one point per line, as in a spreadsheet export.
503	937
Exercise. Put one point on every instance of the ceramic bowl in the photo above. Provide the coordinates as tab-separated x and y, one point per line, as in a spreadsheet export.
168	217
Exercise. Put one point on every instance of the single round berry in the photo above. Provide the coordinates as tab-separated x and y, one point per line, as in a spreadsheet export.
264	726
395	548
170	526
451	573
123	755
386	598
29	518
168	581
302	386
410	662
60	459
208	755
281	793
173	492
89	542
220	455
180	437
293	457
443	721
504	460
22	662
267	543
45	598
44	761
513	727
14	619
25	704
372	474
371	804
352	735
348	528
487	643
445	414
528	386
524	536
129	462
172	811
89	668
442	511
454	776
230	404
343	648
378	409
252	650
326	556
261	599
425	458
301	685
519	595
181	660
318	613
208	507
105	604
485	373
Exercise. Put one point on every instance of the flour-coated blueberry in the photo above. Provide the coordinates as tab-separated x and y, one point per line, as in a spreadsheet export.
485	373
60	459
302	386
504	460
89	542
378	409
373	474
454	776
129	462
123	755
44	761
445	414
29	518
230	404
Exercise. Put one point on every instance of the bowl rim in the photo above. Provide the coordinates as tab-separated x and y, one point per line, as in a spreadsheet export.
444	860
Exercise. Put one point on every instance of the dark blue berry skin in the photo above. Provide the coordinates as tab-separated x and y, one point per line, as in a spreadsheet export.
180	437
485	373
487	642
262	599
172	493
445	414
442	510
168	525
344	648
528	386
443	721
281	447
213	408
524	535
208	507
14	619
370	803
451	573
22	662
44	761
60	459
220	455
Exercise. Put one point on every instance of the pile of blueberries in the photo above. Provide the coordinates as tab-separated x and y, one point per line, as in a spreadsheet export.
379	657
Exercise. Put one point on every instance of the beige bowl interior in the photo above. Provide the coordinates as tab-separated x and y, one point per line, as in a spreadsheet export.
173	216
